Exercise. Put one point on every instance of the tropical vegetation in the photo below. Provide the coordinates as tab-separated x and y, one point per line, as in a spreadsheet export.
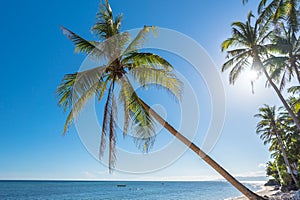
277	130
269	45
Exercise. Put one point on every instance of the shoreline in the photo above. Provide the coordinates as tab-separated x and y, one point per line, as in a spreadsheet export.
265	191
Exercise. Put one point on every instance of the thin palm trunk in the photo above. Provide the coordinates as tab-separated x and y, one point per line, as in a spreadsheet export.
286	105
287	163
297	72
278	172
248	193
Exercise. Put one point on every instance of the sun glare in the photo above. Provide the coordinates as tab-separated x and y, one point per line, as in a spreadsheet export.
252	75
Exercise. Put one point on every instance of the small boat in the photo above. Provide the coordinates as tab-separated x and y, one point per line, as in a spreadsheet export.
121	185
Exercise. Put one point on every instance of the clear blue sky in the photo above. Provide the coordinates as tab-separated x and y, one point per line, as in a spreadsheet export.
35	55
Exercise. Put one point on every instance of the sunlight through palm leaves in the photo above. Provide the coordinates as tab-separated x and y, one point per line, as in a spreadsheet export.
252	41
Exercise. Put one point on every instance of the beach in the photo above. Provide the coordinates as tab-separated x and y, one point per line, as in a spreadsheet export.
266	191
273	193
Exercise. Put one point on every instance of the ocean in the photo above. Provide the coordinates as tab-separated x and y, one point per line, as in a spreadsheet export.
115	190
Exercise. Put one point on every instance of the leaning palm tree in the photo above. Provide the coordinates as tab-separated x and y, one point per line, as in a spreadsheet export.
250	51
270	127
125	64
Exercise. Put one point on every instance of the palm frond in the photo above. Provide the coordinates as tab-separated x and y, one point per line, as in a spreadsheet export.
78	105
87	79
142	122
294	89
148	68
106	26
292	14
65	90
76	89
236	52
268	11
238	64
159	79
81	44
114	46
125	99
279	71
139	40
261	6
137	59
226	44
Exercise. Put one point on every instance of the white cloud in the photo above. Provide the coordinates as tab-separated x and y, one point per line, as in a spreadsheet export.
252	173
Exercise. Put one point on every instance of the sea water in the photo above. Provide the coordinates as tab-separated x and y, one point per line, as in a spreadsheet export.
113	190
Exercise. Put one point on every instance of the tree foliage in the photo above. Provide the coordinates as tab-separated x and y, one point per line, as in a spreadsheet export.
112	83
276	50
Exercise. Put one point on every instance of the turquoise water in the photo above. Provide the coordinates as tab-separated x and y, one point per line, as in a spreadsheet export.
210	190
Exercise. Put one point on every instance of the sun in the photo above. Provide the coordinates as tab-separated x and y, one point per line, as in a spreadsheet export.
252	75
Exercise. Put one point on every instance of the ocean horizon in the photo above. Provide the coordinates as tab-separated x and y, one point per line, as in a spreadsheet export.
127	190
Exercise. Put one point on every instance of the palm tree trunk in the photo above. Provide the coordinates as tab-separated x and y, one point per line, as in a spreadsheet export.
296	71
248	193
287	163
286	105
278	172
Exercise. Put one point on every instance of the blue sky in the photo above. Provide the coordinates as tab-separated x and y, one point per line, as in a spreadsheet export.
35	56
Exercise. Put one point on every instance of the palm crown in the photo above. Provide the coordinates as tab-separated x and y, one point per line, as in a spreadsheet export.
279	10
248	47
270	123
251	49
125	65
286	45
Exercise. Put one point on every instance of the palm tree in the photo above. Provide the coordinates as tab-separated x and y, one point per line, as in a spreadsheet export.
249	45
272	170
286	47
270	126
277	10
280	10
125	64
282	170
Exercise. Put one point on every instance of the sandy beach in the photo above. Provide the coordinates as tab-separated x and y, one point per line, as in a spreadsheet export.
266	191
